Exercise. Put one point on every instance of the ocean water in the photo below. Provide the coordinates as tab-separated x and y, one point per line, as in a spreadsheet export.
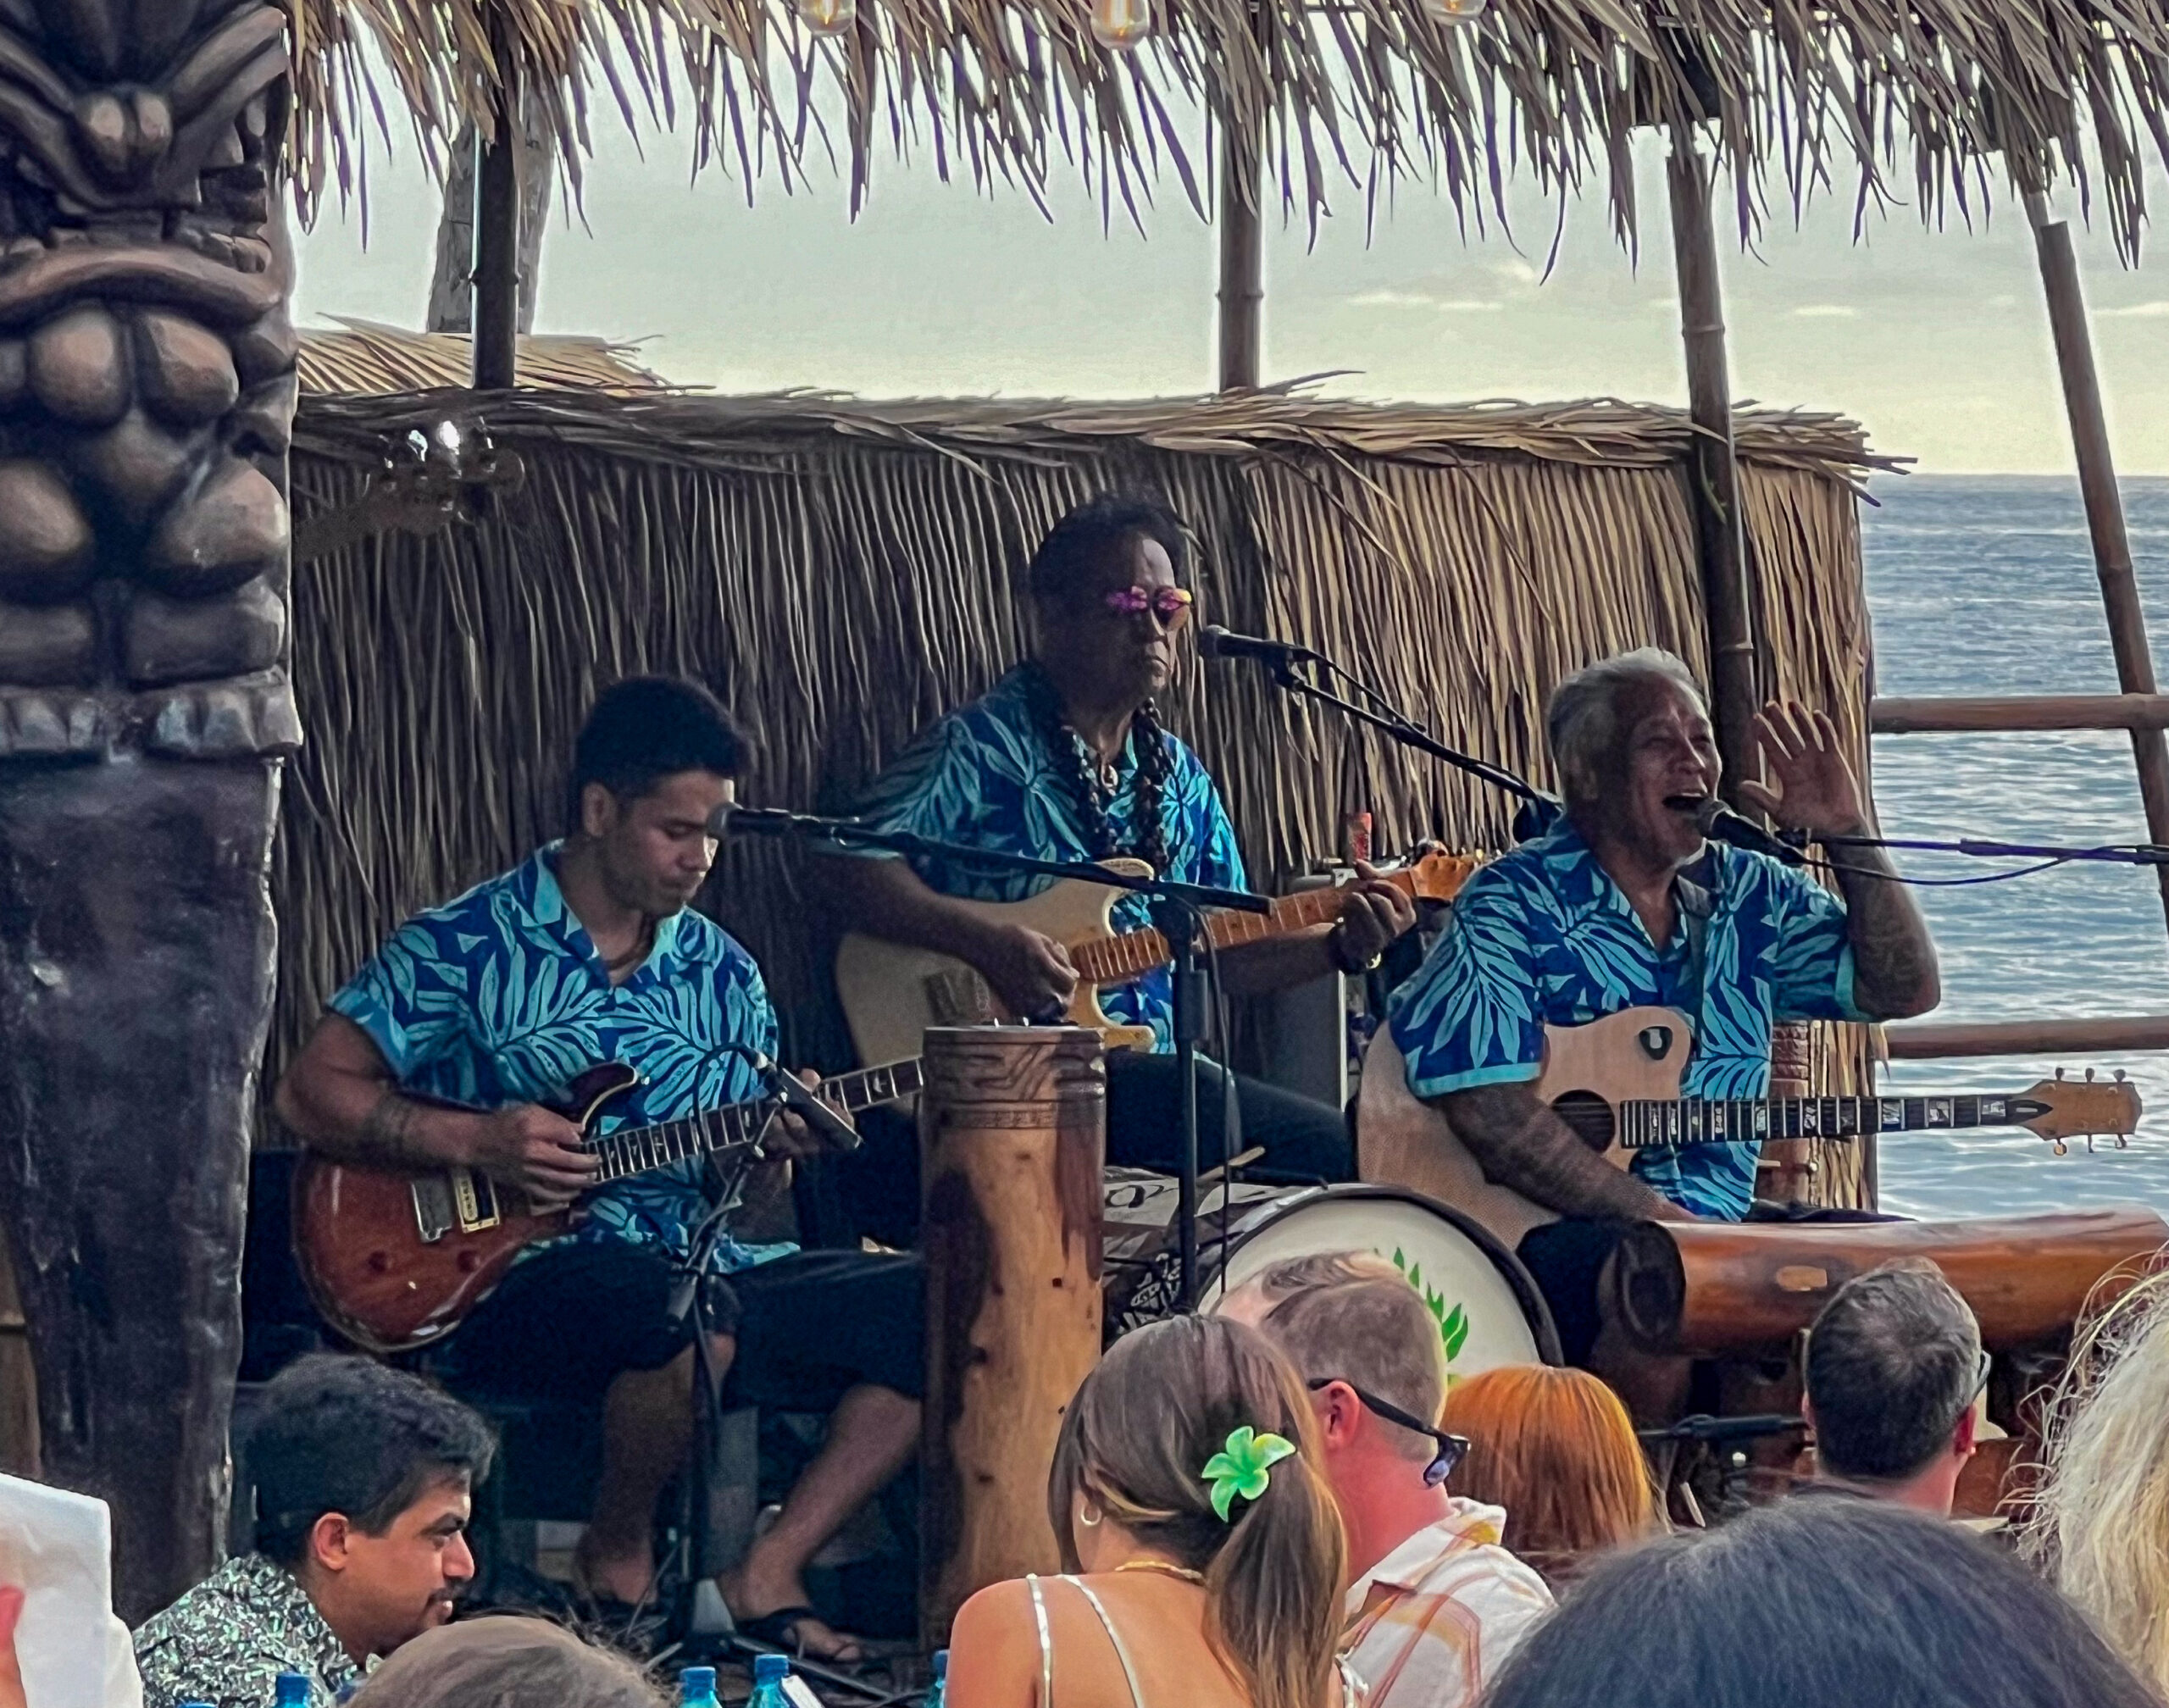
1980	585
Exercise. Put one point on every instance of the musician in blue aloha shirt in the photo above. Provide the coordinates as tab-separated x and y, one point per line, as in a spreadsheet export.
1621	904
587	953
1065	758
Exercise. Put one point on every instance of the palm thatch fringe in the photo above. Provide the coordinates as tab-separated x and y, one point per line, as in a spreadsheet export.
365	356
841	575
1910	99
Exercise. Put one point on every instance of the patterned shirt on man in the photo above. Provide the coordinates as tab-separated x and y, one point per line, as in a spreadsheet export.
501	996
1543	937
1429	1624
983	776
227	1640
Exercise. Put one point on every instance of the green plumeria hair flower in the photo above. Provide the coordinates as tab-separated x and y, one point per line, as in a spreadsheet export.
1245	1467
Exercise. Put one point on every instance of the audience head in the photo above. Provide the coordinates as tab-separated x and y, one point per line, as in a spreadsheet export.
1357	1334
1819	1601
506	1662
364	1477
654	761
2101	1519
1082	580
1894	1365
1130	1477
1557	1450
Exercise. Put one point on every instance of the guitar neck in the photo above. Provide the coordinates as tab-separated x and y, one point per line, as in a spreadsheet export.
1645	1123
638	1150
1115	960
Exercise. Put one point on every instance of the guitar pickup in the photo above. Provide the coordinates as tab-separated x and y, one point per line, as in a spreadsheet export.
474	1200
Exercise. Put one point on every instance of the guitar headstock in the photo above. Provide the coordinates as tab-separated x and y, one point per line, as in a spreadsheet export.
1439	876
2088	1108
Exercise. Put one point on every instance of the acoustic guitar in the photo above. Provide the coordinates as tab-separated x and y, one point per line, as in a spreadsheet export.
1616	1082
395	1260
892	992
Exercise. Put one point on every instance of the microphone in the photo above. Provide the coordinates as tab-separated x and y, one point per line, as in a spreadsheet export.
735	820
1216	642
1714	818
796	1095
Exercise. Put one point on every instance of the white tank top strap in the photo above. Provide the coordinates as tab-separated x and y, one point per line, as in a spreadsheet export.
1122	1650
1046	1640
1353	1692
1032	1582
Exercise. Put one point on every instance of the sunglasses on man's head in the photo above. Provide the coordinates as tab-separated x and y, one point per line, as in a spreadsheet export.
1452	1448
1171	604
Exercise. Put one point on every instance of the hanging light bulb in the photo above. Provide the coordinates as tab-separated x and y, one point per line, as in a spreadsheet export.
1455	13
827	17
1121	25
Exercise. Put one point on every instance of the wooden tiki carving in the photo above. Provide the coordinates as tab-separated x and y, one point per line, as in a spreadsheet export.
146	396
1013	1133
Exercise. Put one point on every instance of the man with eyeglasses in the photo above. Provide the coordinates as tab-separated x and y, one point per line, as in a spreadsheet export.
1895	1371
1065	758
1434	1603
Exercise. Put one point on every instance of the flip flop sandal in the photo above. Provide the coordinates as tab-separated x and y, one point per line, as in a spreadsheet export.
775	1631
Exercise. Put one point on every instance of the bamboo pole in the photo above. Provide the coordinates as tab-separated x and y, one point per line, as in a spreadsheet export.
1713	468
1242	265
2105	506
496	233
1997	712
2026	1037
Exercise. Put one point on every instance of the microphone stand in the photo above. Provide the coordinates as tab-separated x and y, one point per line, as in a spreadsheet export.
2117	853
1177	913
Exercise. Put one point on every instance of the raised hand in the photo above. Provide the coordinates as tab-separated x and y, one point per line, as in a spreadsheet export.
1815	789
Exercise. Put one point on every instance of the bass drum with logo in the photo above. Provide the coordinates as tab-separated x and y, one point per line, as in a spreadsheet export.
1488	1307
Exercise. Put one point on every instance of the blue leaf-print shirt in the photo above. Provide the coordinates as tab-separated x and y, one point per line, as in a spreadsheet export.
501	997
1543	937
983	776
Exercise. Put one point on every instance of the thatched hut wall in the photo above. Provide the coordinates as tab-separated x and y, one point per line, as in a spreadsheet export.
841	575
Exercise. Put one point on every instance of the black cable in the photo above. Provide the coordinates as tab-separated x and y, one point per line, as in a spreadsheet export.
1940	883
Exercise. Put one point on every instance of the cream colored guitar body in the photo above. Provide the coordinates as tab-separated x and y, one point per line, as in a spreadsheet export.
892	992
1403	1141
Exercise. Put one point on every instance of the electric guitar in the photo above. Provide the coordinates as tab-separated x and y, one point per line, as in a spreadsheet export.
395	1260
1616	1082
892	992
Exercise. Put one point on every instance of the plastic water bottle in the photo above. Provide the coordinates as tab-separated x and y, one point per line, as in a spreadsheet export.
697	1688
769	1670
938	1695
292	1690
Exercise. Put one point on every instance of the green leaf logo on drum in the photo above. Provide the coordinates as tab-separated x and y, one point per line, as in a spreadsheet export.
1453	1323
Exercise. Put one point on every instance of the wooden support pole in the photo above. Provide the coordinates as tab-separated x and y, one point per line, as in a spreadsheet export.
1999	714
1242	265
1013	1134
2028	1037
2104	504
1713	469
496	234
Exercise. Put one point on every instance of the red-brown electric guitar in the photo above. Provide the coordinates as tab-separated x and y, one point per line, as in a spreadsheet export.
395	1260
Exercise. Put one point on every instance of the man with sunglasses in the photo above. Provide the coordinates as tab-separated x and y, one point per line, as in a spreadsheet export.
1895	1371
1434	1602
1065	758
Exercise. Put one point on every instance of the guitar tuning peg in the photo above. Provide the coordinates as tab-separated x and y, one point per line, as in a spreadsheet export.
2089	1076
2060	1072
2122	1143
2059	1147
2090	1143
2120	1076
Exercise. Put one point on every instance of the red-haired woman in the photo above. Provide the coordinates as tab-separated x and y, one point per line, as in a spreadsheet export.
1557	1450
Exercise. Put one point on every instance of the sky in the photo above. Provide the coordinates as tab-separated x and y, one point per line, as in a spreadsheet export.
1937	341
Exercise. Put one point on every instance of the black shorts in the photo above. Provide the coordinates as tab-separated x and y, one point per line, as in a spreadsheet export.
1566	1259
568	1320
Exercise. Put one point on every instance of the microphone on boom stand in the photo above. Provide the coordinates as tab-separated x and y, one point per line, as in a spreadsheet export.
1215	642
1713	818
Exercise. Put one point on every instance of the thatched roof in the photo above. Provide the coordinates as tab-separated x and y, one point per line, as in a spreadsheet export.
1895	99
1288	421
364	357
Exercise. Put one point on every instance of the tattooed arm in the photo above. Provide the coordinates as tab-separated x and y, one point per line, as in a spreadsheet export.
1520	1143
340	1100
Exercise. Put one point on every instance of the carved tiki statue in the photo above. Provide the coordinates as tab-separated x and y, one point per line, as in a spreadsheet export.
147	397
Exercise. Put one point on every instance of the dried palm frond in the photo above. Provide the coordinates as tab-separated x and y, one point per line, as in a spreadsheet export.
1897	99
364	357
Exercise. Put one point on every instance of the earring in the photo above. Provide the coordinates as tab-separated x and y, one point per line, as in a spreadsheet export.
1090	1519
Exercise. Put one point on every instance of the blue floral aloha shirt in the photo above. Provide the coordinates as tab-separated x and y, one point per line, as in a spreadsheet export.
501	997
983	776
1543	937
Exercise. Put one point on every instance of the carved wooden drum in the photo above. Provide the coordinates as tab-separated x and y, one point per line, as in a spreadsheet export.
1488	1307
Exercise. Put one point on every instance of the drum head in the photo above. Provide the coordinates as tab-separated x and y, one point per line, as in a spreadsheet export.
1486	1304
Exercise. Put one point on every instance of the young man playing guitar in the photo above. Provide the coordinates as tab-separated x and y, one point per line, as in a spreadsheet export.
592	952
1065	759
1623	905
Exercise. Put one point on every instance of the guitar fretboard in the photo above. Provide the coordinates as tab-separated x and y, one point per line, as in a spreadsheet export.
1710	1121
1116	960
636	1150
